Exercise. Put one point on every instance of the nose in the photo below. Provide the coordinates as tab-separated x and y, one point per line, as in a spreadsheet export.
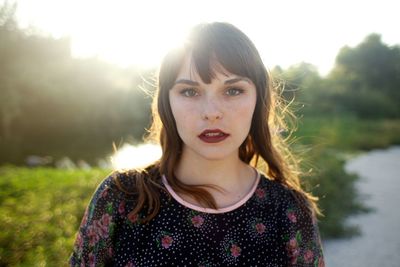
212	109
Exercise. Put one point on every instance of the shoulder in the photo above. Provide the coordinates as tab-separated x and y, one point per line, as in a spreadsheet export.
295	225
113	184
124	183
284	198
115	187
276	191
116	194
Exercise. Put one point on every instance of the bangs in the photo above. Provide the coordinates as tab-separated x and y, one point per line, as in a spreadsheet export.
219	48
215	48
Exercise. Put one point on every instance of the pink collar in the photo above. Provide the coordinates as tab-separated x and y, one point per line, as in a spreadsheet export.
209	210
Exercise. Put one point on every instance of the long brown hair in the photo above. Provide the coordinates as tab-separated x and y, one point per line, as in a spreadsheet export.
264	147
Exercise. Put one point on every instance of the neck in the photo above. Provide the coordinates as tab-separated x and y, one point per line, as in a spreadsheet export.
229	174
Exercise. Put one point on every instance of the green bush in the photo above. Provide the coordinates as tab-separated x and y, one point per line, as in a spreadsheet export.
338	196
348	133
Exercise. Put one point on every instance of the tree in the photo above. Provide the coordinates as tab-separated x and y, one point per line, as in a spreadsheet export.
366	78
10	100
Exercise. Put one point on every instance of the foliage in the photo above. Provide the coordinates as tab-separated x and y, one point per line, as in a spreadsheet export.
348	133
40	212
368	78
365	82
338	197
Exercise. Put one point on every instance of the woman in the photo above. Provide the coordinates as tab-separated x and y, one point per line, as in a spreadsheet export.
204	203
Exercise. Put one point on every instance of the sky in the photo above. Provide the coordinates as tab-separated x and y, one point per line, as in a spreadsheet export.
286	32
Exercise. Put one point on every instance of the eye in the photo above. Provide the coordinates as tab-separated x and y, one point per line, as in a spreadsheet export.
189	92
234	91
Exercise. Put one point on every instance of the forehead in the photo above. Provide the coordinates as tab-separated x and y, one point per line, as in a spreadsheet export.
188	70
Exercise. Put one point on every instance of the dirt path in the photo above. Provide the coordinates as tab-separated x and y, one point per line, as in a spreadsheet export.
379	244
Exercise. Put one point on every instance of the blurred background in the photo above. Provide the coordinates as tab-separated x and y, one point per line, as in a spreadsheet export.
76	79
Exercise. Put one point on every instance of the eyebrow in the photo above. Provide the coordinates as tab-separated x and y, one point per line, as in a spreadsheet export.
189	82
230	81
235	80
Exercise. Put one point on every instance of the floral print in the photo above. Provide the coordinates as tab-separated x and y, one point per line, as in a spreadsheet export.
232	251
260	228
308	256
121	207
197	221
260	193
166	241
304	252
92	244
133	218
110	234
235	250
97	231
321	262
293	251
130	264
292	215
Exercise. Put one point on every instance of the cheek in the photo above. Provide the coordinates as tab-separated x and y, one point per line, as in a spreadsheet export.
181	119
183	115
243	111
252	107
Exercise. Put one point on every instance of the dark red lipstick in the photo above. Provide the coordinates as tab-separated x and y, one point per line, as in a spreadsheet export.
213	136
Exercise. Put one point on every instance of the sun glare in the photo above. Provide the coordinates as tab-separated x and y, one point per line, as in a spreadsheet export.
122	32
139	33
127	43
129	156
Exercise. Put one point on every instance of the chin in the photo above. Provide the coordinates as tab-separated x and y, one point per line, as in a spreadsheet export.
214	152
217	154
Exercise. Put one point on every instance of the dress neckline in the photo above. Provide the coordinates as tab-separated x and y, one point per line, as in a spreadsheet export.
210	210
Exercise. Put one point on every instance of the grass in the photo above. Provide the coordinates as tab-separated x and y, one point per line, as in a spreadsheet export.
41	211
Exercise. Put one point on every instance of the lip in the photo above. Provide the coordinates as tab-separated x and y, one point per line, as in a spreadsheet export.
213	136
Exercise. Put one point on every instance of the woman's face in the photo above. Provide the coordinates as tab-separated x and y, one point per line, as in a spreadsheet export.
212	119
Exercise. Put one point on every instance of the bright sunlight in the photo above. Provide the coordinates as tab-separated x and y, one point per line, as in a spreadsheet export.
140	32
122	32
129	156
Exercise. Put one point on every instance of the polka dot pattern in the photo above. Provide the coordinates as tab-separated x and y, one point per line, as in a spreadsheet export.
269	229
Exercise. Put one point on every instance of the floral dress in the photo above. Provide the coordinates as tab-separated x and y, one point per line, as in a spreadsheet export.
265	228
